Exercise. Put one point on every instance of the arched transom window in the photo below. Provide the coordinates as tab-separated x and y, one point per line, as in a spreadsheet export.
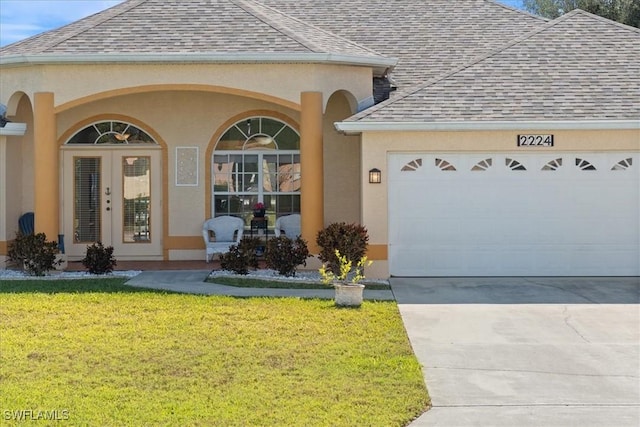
257	160
111	133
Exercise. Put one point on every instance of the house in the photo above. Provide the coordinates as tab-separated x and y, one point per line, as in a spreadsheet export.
507	144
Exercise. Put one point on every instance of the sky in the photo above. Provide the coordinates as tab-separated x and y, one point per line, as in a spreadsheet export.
20	19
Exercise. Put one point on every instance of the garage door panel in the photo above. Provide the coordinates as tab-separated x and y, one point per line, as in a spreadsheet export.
557	217
619	261
512	261
411	260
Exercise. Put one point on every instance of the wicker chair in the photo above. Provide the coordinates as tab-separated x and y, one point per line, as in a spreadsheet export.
220	233
289	225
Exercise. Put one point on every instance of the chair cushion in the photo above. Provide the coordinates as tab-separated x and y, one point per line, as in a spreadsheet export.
224	234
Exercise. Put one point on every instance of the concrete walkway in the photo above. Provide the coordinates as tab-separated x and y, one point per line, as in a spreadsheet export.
526	352
193	282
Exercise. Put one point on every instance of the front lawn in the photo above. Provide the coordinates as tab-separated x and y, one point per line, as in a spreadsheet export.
112	355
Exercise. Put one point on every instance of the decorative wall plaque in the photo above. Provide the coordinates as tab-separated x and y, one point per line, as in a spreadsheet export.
187	166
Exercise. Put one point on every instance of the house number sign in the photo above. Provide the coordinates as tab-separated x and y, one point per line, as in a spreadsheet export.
535	140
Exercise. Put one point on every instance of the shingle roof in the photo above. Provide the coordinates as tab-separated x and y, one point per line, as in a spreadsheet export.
577	67
187	26
430	37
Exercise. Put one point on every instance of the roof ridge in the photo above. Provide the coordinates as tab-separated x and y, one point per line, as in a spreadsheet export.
99	18
246	6
420	86
602	19
250	7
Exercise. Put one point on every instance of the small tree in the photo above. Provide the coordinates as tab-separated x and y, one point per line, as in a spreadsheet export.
285	255
624	11
349	239
348	273
241	256
33	253
99	259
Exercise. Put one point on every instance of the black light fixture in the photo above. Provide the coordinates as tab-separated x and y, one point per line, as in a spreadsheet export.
375	176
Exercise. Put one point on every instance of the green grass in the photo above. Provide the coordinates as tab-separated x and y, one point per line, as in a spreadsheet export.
101	285
248	282
114	355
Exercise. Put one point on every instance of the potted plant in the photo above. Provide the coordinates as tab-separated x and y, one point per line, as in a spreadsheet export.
348	289
259	210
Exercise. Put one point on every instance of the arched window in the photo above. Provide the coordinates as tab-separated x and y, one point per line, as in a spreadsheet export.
257	160
112	133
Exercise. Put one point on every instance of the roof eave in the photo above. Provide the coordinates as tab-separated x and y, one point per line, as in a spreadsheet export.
380	64
354	127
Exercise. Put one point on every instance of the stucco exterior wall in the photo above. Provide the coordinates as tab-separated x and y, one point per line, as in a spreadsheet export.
341	166
3	192
376	147
23	160
10	196
280	83
180	119
15	199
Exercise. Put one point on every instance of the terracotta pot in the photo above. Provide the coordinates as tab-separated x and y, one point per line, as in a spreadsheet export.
348	295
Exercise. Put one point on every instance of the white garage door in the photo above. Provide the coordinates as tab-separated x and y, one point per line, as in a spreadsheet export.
514	214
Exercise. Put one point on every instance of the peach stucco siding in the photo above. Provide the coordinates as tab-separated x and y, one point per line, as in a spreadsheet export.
191	105
341	166
277	83
377	146
193	110
180	119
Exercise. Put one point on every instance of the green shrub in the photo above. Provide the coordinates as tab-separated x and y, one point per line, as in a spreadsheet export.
241	256
33	253
349	239
99	259
285	255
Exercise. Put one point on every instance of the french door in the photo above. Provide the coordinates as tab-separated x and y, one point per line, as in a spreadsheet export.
113	196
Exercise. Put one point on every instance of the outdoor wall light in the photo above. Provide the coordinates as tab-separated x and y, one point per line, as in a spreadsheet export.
375	176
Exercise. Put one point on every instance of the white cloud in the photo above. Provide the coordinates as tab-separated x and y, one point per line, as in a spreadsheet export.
20	19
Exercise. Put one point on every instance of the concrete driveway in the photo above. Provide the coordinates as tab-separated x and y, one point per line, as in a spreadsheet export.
526	351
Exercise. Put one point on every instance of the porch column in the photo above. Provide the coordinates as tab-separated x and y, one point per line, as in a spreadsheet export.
45	165
311	165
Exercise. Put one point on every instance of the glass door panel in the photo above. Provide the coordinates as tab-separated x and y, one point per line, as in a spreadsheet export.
136	199
87	199
113	196
137	207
